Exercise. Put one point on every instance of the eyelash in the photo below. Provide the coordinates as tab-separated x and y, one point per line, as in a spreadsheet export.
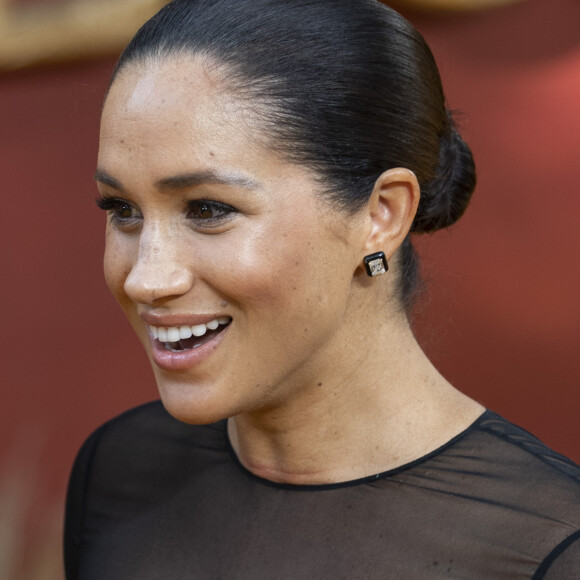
223	210
114	207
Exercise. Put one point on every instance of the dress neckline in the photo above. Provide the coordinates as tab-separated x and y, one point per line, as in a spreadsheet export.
361	480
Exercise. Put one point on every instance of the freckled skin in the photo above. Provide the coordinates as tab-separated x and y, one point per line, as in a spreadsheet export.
248	271
285	267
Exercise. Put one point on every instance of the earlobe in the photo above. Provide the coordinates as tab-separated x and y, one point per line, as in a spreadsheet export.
392	208
376	264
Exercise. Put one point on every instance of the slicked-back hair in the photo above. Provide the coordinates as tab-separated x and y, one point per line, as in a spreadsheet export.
346	88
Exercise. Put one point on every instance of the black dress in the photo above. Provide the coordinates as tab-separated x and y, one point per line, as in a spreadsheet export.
151	498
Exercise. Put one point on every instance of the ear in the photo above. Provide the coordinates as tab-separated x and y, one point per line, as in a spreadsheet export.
391	210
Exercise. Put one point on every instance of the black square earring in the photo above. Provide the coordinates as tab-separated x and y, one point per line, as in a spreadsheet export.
376	264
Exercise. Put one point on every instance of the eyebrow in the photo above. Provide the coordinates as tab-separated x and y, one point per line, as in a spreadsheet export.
187	180
106	179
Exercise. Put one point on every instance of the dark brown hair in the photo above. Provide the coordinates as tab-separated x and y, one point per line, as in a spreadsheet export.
351	90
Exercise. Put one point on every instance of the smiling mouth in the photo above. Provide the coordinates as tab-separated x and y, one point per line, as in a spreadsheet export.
181	338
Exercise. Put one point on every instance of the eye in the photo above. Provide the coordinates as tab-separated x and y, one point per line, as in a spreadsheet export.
120	212
209	213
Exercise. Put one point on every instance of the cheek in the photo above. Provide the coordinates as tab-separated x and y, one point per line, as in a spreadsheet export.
276	272
116	266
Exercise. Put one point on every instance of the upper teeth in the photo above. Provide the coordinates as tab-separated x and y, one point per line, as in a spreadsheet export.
175	333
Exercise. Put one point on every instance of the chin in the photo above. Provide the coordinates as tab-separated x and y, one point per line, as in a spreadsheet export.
186	404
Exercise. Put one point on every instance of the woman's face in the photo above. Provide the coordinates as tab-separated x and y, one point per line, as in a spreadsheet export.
235	275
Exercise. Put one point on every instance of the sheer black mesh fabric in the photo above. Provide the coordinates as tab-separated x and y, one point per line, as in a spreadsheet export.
151	498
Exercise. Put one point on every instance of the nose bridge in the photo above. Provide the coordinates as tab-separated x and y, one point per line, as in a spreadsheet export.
160	269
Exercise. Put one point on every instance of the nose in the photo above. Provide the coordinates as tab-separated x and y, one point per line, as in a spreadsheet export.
161	271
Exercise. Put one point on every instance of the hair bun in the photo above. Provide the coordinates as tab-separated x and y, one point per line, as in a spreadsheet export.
445	198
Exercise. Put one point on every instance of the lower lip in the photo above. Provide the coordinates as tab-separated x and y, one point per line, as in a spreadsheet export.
185	359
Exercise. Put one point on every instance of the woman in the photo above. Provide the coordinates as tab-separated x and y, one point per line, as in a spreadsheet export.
262	164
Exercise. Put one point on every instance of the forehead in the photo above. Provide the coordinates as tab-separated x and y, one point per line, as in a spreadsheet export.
167	89
176	108
173	117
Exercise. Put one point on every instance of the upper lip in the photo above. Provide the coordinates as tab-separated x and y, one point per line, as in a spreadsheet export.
178	319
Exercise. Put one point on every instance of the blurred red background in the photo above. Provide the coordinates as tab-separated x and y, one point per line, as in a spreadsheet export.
501	315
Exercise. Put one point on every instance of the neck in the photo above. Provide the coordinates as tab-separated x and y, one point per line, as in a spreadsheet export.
378	408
